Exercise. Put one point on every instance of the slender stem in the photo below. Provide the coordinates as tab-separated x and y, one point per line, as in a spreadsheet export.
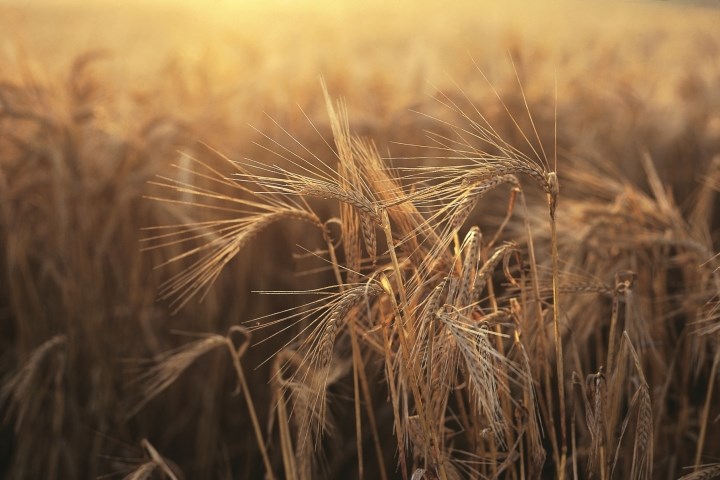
333	257
613	332
395	400
364	385
286	443
573	441
251	407
541	327
706	411
358	411
558	342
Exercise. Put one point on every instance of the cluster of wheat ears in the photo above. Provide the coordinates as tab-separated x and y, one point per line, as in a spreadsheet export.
403	284
473	319
554	339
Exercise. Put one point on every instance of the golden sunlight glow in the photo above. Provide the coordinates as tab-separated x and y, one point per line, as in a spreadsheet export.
470	239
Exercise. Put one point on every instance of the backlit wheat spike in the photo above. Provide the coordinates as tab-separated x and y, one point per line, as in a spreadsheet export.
410	229
350	227
306	386
477	358
353	221
705	472
215	254
448	204
170	366
20	391
501	253
453	288
471	249
595	418
506	170
642	460
334	320
705	201
590	287
573	284
432	304
423	352
330	191
287	183
435	300
476	189
350	179
369	237
530	406
212	244
643	448
484	165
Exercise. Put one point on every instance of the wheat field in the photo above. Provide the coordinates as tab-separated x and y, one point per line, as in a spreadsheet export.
412	240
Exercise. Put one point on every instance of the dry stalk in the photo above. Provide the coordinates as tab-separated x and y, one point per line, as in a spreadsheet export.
552	188
279	403
537	307
704	419
236	353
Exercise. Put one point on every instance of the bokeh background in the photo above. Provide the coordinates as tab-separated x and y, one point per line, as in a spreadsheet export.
99	98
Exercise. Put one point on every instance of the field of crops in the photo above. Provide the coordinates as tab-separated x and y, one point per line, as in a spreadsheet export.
412	240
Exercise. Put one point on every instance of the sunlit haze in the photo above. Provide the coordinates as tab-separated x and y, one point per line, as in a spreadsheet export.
359	239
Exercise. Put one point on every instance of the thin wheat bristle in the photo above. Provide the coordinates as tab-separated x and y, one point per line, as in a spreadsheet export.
143	472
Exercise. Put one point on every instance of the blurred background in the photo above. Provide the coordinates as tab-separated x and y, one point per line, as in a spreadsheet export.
99	98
